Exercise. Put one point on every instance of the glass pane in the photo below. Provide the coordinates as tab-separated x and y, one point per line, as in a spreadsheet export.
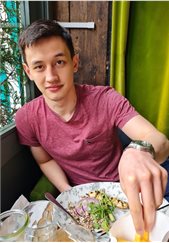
12	78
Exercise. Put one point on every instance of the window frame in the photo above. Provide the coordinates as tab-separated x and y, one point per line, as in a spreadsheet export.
31	10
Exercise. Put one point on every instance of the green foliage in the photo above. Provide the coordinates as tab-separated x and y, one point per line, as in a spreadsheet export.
12	79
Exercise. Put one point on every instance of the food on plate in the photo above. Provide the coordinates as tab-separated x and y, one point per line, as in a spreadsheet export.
116	202
138	238
96	210
142	238
47	215
119	203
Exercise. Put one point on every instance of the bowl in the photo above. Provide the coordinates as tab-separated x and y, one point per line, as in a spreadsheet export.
123	229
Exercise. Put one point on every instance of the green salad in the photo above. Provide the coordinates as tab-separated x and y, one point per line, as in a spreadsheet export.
96	210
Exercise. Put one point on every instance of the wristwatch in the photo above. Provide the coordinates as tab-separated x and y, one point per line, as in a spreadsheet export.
142	146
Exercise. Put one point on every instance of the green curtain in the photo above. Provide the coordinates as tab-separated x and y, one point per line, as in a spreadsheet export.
140	69
120	15
147	62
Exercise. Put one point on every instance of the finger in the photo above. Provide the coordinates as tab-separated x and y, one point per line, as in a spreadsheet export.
160	177
132	192
164	179
148	200
157	186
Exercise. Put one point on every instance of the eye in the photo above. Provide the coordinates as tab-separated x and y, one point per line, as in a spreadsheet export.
60	63
38	68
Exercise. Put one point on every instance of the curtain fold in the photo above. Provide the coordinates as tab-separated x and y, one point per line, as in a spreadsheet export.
162	122
120	16
147	63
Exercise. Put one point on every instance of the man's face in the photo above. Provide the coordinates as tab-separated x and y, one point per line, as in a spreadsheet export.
50	66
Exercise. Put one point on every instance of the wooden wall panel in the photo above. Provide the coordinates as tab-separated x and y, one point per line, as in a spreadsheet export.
91	44
60	10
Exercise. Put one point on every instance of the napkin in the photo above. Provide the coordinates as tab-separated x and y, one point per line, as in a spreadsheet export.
36	214
20	203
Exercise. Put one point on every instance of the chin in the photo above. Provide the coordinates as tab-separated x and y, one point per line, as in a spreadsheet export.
55	98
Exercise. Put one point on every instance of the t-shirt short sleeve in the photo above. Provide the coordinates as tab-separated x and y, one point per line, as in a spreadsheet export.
122	110
25	128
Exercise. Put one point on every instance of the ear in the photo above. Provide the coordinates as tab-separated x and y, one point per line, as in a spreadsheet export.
75	62
27	70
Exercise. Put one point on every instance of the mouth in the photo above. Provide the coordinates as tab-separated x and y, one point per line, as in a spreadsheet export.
54	88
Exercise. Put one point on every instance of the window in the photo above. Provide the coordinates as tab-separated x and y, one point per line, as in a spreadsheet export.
13	82
15	159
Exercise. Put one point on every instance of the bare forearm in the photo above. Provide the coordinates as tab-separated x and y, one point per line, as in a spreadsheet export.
160	144
50	168
56	175
138	128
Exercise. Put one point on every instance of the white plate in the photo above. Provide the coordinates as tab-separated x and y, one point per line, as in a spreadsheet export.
73	196
112	189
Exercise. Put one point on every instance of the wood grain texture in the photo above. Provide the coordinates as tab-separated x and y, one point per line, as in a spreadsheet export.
90	44
60	10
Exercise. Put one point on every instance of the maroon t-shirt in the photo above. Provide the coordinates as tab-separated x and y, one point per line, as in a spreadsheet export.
87	146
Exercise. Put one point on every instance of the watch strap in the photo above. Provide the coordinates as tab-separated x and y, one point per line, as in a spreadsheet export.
142	146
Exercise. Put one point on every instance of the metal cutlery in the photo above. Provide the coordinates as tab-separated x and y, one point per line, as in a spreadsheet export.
51	198
78	232
75	231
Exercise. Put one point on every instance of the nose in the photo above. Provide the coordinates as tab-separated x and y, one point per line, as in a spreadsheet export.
51	74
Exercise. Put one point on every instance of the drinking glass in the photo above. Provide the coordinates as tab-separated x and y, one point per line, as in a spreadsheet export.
42	221
12	225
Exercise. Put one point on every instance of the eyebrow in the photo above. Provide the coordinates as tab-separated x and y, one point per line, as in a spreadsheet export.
35	62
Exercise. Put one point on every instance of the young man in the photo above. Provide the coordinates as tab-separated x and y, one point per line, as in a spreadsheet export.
72	129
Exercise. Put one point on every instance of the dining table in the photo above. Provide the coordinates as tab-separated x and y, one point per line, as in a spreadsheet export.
62	236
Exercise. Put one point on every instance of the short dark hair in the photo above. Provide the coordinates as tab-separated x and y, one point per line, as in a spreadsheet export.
43	29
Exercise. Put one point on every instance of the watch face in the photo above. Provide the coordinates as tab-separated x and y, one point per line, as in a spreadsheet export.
142	143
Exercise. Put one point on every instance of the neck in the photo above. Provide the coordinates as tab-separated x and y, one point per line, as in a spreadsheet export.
65	107
65	111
